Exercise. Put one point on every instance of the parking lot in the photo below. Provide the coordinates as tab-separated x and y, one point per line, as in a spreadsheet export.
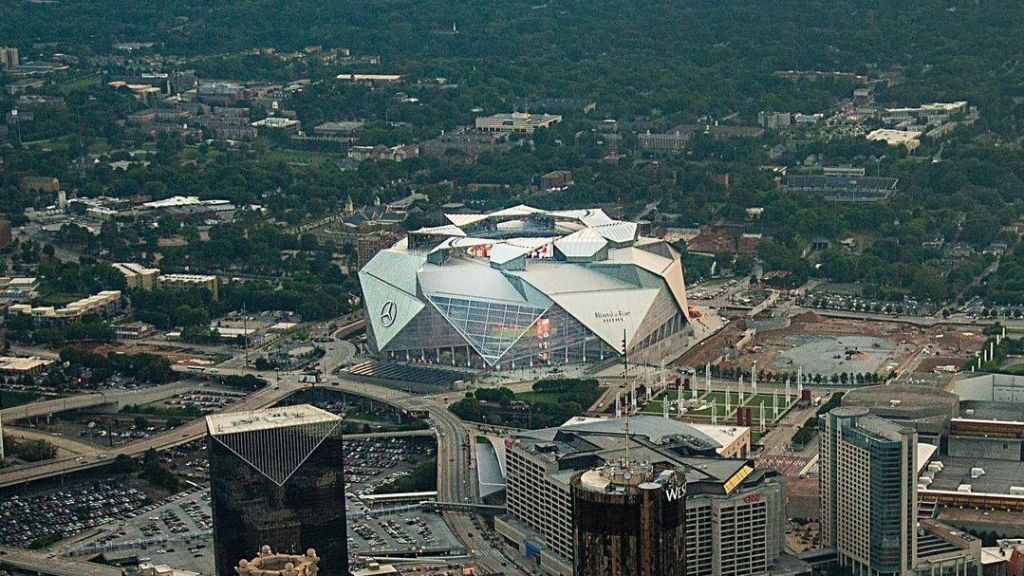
374	462
40	520
177	531
201	402
137	422
397	533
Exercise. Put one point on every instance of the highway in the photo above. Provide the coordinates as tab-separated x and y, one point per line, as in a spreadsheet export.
26	561
456	472
46	407
267	396
80	401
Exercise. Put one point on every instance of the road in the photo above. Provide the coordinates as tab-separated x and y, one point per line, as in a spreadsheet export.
34	232
456	475
80	401
456	471
26	561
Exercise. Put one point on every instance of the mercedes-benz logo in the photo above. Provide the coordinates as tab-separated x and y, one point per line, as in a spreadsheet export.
388	313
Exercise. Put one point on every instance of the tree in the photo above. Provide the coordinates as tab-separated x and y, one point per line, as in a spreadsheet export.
124	464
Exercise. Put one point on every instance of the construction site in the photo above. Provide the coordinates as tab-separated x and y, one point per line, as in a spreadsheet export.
825	347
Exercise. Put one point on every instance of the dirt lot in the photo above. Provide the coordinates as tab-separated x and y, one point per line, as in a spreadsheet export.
832	345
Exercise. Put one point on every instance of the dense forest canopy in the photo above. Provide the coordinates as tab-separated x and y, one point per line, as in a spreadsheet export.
705	56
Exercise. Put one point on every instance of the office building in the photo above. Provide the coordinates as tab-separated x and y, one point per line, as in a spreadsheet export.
338	129
19	288
101	303
46	184
734	513
277	478
274	124
556	180
368	245
11	366
208	281
668	141
9	58
842	188
868	492
629	519
517	122
137	276
526	287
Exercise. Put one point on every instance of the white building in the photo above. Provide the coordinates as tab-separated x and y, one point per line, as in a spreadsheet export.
137	276
518	122
525	287
734	513
868	492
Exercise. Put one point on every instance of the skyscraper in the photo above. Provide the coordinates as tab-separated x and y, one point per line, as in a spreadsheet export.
735	513
277	478
629	520
868	492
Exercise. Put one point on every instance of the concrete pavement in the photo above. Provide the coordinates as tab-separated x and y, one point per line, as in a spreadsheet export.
89	400
456	475
26	561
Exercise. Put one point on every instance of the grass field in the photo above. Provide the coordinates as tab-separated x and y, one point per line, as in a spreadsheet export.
719	398
81	83
1014	369
653	407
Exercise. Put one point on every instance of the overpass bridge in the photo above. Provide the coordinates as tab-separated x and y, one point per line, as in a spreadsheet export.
48	407
395	434
34	563
462	507
115	398
194	430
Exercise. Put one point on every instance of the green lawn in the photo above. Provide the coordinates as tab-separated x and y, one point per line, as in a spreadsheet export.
55	299
653	407
300	156
755	403
719	398
81	83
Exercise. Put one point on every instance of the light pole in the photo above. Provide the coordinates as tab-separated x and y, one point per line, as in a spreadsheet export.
878	164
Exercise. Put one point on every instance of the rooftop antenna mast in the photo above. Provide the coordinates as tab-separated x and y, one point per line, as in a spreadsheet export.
2	453
245	336
625	379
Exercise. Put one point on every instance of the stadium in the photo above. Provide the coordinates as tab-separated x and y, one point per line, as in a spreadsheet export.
525	287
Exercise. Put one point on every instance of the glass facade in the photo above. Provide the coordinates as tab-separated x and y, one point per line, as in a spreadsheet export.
868	495
286	490
482	334
490	327
629	529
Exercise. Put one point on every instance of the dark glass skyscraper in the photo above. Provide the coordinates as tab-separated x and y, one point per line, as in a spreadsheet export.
629	520
277	478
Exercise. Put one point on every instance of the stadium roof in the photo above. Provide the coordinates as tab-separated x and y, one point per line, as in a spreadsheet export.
597	269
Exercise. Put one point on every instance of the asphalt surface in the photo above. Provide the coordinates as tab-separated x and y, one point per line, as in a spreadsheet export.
456	470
